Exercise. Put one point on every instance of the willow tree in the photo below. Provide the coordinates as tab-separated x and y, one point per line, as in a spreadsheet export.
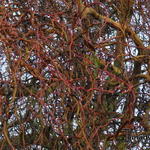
74	74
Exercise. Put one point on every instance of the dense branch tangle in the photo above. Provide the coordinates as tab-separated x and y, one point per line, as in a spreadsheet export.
73	74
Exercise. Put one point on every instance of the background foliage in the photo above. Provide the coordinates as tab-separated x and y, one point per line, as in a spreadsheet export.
74	74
